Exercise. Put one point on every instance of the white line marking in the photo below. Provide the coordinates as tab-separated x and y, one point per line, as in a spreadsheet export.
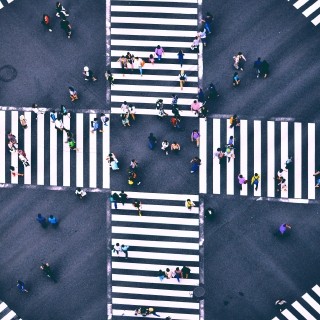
143	88
316	20
257	155
244	154
79	155
151	77
40	148
216	166
270	157
154	112
300	3
313	303
3	146
230	165
162	66
150	43
316	289
203	156
183	1
92	154
1	5
297	160
9	1
14	156
173	10
3	306
275	318
53	154
152	32
157	21
9	316
286	200
303	311
66	154
160	196
311	160
149	100
311	9
27	148
284	153
160	208
288	315
105	152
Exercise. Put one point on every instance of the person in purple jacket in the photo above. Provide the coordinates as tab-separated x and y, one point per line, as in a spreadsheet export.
159	52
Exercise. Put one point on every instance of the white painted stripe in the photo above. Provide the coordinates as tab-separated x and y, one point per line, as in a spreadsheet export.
79	155
152	100
11	314
230	165
160	208
66	153
173	10
152	78
145	54
163	315
288	315
14	156
40	148
1	5
284	153
147	267
105	152
150	43
244	154
27	147
311	9
161	256
156	232
303	311
153	33
183	1
216	165
203	156
9	1
3	306
157	220
156	303
92	154
159	244
143	88
3	146
297	160
316	20
162	66
157	21
257	154
300	3
152	292
154	112
313	303
135	278
271	159
275	318
316	289
160	196
53	154
311	160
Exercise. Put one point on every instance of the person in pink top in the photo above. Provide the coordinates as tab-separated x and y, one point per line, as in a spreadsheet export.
195	106
159	52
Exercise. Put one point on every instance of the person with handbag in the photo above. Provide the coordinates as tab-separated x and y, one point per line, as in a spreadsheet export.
242	180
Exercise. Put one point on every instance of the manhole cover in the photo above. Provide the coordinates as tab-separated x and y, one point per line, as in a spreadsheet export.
8	73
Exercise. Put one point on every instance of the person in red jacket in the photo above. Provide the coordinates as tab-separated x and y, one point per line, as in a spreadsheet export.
46	22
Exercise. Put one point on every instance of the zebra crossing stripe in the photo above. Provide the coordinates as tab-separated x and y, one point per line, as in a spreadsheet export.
105	152
27	147
316	289
14	157
300	3
3	146
40	149
79	154
161	208
160	244
216	165
271	158
230	164
316	20
141	88
152	33
311	9
1	5
66	153
9	316
284	153
297	160
151	77
275	318
53	154
311	160
303	311
289	315
162	66
3	306
244	154
257	154
157	21
152	9
313	303
92	154
9	1
149	100
183	1
150	43
160	196
203	156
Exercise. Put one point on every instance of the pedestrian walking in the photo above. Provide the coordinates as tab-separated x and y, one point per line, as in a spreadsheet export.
133	165
42	220
21	286
64	111
125	119
124	107
138	205
125	250
195	106
282	185
235	79
218	154
46	22
152	141
160	107
280	303
168	273
132	111
104	119
175	147
255	181
203	112
53	220
264	68
242	180
195	44
239	60
61	11
195	136
195	163
115	198
165	146
123	197
151	58
284	229
175	110
185	272
72	144
116	248
130	60
37	110
257	66
212	92
113	161
203	36
109	77
201	97
58	124
208	20
140	63
88	74
123	63
175	122
161	275
95	126
159	51
73	94
289	163
280	174
229	152
80	193
180	57
178	274
234	121
23	122
23	158
182	79
174	99
66	26
15	173
189	204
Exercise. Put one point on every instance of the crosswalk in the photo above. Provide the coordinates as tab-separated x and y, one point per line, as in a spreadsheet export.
310	9
307	307
170	24
165	236
6	313
4	2
263	147
51	160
